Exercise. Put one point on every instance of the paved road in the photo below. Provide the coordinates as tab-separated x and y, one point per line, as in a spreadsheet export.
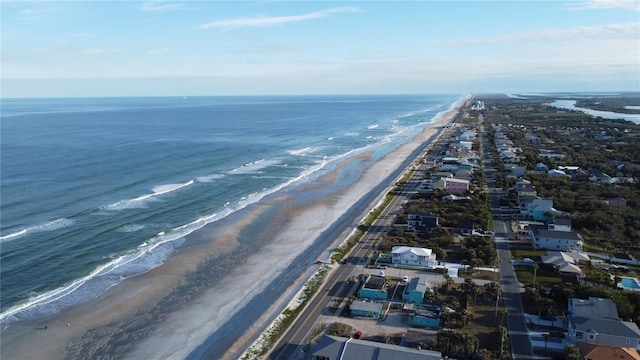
293	343
516	323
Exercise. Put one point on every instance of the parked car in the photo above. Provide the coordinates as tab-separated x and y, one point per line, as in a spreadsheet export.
405	278
528	260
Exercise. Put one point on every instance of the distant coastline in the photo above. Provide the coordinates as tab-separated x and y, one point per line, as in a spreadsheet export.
571	105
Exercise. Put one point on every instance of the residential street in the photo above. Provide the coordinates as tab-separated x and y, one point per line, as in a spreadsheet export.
520	343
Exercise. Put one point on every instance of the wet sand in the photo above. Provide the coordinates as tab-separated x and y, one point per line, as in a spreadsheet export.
158	315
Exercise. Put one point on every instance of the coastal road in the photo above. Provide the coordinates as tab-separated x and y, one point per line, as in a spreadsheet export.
293	344
516	324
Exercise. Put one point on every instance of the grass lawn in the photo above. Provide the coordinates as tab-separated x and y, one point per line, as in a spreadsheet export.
480	274
519	254
544	276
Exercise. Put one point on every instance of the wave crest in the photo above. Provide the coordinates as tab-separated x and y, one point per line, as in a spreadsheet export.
139	201
47	226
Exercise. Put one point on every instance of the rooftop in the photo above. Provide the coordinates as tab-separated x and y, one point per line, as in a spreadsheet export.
334	347
552	234
366	306
593	308
414	250
624	329
591	351
374	282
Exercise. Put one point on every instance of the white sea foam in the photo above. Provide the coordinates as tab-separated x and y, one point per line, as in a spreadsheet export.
255	166
129	228
303	152
47	226
157	248
141	259
139	201
209	178
373	126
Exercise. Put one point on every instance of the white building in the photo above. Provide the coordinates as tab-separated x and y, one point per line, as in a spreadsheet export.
413	256
556	240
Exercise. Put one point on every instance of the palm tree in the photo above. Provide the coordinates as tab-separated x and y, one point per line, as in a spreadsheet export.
572	352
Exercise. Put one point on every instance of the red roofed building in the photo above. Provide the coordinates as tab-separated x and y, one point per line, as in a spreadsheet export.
590	351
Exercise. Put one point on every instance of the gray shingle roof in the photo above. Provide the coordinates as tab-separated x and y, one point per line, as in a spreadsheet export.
607	327
595	308
333	347
552	234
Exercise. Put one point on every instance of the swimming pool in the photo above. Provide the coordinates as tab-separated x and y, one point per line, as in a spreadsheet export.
629	283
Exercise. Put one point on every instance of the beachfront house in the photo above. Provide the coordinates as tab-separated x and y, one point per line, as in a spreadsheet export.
338	348
452	185
370	309
596	320
374	288
556	240
415	290
413	257
449	163
422	222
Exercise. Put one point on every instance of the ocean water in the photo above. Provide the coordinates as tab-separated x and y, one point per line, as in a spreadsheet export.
95	190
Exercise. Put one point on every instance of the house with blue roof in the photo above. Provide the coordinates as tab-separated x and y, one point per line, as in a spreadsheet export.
595	320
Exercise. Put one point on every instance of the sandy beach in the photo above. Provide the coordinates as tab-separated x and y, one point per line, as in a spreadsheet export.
212	285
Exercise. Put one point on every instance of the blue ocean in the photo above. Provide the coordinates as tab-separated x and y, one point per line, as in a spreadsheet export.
95	190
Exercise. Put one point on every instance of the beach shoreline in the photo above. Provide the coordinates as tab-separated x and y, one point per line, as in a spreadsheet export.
429	134
177	332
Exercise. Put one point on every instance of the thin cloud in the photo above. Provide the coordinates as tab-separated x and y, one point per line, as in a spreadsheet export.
92	51
158	51
607	4
237	23
160	6
611	31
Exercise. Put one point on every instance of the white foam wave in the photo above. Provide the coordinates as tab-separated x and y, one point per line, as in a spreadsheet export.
129	228
373	126
139	201
209	178
145	256
255	166
119	268
47	226
303	152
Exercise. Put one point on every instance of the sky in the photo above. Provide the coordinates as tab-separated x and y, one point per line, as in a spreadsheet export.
190	48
